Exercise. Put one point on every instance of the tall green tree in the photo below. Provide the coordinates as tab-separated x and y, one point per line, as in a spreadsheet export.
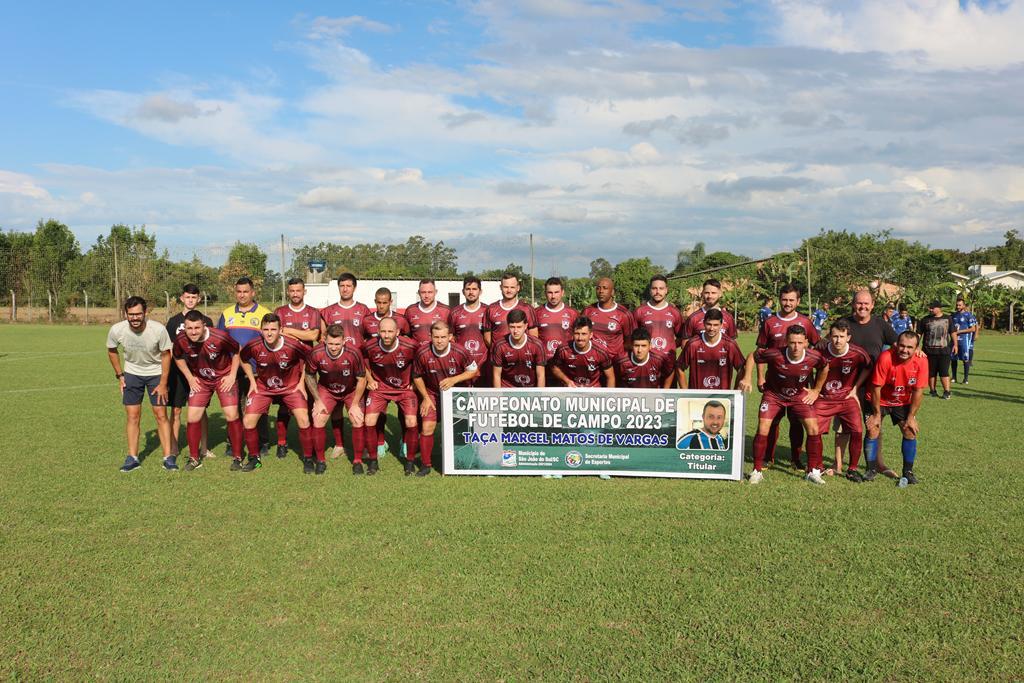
55	253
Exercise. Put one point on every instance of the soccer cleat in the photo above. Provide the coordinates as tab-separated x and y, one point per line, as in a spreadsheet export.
933	393
814	476
372	468
337	452
236	465
264	449
965	383
282	451
357	468
171	463
320	467
952	380
605	477
797	464
870	474
909	476
409	468
252	464
424	471
946	396
405	451
382	450
130	463
193	464
756	476
854	476
307	466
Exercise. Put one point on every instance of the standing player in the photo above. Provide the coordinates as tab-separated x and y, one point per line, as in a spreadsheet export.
787	387
554	318
208	361
242	322
425	312
965	326
336	379
497	313
147	367
178	389
612	322
773	336
439	366
517	359
301	322
819	317
764	313
643	368
848	368
468	323
709	357
660	318
940	343
279	362
580	363
389	359
897	389
382	304
711	295
901	322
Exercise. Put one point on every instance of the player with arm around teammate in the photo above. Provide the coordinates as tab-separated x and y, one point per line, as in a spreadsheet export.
301	322
849	366
642	367
335	378
208	359
439	366
178	389
709	358
662	320
470	329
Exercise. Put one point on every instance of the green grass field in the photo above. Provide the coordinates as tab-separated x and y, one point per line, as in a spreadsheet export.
277	575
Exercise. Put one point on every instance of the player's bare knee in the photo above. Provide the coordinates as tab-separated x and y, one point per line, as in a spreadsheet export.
410	421
428	428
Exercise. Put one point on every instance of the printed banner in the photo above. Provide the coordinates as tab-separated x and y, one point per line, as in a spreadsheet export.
622	432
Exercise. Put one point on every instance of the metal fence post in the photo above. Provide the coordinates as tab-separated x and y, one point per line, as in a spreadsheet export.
86	306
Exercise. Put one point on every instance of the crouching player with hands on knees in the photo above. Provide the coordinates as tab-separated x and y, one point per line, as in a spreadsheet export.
897	388
849	366
279	362
439	366
788	386
335	378
389	359
208	360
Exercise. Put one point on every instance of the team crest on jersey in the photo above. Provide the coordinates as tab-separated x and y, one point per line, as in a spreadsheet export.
346	372
668	324
356	323
565	324
528	364
255	322
213	355
283	364
660	343
612	326
764	407
722	361
400	363
847	369
275	383
305	324
913	381
522	380
712	382
652	377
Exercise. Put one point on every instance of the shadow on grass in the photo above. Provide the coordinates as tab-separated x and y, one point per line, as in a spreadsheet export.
970	392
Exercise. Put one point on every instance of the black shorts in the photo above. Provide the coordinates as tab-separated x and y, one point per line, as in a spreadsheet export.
177	390
135	386
897	414
938	364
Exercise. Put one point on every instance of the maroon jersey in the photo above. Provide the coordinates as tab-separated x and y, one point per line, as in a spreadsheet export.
279	370
306	318
583	368
695	324
420	320
350	318
497	317
554	327
784	377
518	364
210	358
392	368
773	331
710	366
665	325
611	327
371	325
650	374
337	375
842	370
468	327
433	368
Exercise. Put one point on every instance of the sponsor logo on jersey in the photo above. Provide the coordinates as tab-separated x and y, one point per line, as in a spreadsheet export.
712	382
659	343
833	385
275	383
395	381
522	380
789	391
207	373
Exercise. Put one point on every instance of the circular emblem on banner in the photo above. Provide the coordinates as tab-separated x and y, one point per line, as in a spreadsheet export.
573	459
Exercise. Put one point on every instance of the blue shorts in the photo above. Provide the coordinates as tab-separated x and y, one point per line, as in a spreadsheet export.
964	354
135	386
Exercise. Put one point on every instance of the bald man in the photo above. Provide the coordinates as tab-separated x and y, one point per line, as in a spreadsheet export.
613	323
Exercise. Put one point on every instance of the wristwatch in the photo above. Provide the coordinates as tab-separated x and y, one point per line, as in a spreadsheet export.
118	375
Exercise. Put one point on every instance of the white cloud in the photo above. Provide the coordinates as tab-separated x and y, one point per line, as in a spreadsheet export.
20	184
336	27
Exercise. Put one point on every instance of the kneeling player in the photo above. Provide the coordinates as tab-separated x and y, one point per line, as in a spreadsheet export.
517	359
208	360
643	368
897	388
580	363
848	368
335	377
279	362
788	386
389	359
439	366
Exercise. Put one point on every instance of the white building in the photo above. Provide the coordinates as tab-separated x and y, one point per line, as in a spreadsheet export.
1014	279
403	292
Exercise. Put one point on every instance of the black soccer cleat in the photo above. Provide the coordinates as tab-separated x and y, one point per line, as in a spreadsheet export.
264	449
424	471
252	464
372	468
307	466
870	474
854	476
946	396
282	451
409	468
357	468
909	476
236	465
193	464
321	467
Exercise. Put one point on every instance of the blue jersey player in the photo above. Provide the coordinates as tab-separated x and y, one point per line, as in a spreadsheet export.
819	317
901	322
966	326
764	312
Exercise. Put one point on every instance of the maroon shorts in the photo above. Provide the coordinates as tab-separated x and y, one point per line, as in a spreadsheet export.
846	411
331	401
431	416
378	400
201	398
773	405
259	404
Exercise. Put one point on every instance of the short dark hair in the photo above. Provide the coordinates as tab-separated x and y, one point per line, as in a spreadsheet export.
516	315
790	288
909	334
190	289
557	281
903	308
509	276
713	282
640	334
842	325
270	318
335	330
714	314
795	330
471	280
133	301
428	281
582	321
712	404
245	280
296	281
658	278
347	277
382	290
195	316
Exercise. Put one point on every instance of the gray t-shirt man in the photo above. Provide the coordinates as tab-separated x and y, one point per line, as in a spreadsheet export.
141	349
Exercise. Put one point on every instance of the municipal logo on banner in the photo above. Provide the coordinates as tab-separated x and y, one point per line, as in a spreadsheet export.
573	459
508	459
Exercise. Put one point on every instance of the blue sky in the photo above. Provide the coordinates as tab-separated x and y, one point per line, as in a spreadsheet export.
617	128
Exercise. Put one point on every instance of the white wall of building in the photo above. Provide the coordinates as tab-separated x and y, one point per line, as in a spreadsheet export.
403	292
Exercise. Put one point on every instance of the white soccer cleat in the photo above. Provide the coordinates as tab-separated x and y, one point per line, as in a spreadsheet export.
756	477
814	476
